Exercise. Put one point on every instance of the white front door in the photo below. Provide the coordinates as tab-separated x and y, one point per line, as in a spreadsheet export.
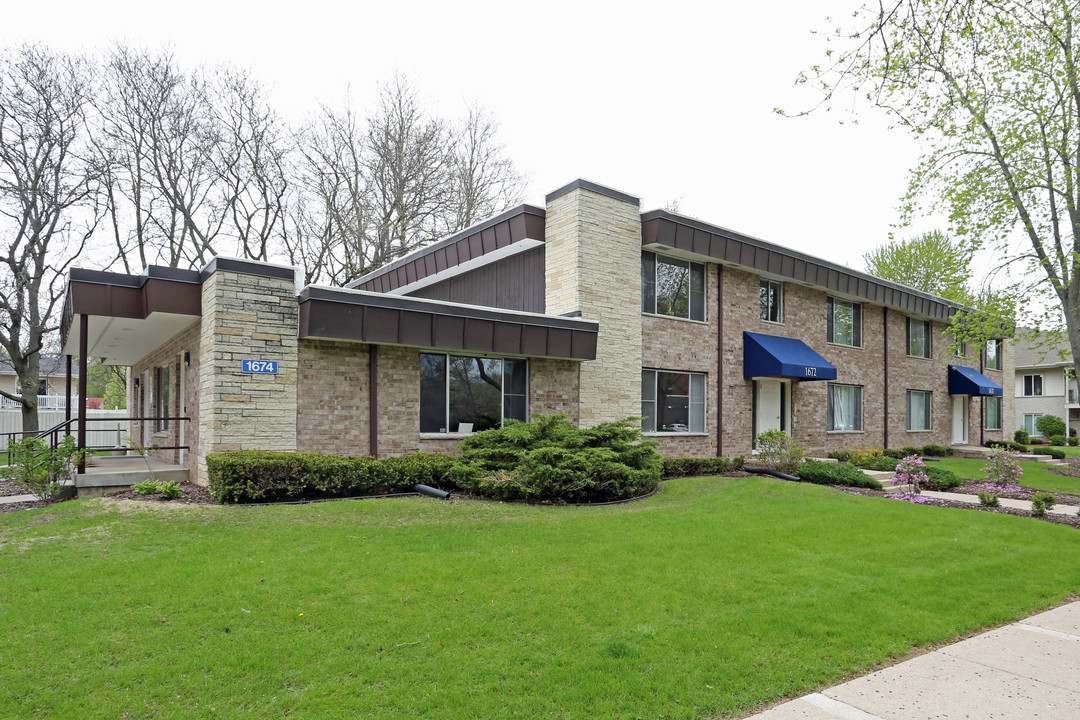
770	405
960	419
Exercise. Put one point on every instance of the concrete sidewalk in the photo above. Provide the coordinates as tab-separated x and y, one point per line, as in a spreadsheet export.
1028	669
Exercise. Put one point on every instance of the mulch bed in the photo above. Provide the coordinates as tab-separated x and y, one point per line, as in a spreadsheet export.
193	495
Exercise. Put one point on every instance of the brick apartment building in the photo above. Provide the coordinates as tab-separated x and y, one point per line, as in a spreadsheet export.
586	307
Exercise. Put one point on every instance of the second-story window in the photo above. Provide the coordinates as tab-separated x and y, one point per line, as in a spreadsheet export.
672	287
844	322
772	301
918	338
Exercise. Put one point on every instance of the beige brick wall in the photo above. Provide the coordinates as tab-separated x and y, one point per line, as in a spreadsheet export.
332	409
686	346
169	354
247	317
593	266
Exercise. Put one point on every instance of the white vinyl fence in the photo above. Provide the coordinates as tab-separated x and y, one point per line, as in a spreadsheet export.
102	427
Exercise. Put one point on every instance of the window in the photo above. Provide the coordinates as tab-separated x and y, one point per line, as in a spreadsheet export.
672	287
918	338
845	407
844	324
1029	423
960	350
470	394
161	399
772	301
918	410
993	355
993	413
672	401
1033	385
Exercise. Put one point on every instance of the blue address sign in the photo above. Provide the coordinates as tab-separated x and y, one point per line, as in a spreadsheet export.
259	366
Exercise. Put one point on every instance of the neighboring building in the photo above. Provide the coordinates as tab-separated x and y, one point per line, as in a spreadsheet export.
52	382
586	307
1045	384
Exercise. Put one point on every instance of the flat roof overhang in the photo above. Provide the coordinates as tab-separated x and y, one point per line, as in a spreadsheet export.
358	316
693	239
129	315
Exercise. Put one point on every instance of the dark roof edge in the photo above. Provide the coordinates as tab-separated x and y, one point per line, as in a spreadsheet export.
717	230
438	307
248	267
594	187
108	277
523	209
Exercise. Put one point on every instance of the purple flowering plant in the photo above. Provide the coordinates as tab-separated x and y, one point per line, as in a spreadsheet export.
911	471
1002	468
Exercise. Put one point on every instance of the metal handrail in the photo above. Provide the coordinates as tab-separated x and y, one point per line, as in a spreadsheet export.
53	433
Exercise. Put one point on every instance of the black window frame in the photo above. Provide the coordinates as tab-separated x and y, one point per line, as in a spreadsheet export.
929	410
856	322
995	364
1034	385
986	412
928	344
650	395
830	412
771	295
696	291
162	382
430	405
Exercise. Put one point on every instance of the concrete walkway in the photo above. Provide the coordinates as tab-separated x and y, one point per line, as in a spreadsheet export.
1028	669
1005	502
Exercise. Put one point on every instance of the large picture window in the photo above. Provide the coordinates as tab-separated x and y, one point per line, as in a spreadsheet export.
161	399
672	287
469	394
772	301
672	401
993	413
844	408
918	334
844	322
918	410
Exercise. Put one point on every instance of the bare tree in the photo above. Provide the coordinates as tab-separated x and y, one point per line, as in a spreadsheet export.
48	203
484	181
158	140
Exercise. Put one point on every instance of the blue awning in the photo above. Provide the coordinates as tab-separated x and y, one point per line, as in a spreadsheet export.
965	381
774	356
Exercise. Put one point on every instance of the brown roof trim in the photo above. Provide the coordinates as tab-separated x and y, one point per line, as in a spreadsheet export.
248	267
731	248
359	316
594	187
519	223
110	294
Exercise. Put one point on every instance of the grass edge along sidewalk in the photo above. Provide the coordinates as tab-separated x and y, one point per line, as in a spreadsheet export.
714	598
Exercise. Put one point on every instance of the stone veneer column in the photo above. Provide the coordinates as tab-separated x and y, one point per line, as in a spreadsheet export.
249	311
593	266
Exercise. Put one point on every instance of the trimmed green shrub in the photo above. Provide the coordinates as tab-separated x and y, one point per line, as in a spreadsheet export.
989	499
822	473
1074	440
693	467
264	476
941	479
776	450
895	454
1007	445
1021	436
1057	440
883	464
1050	425
937	451
909	451
841	455
551	460
1056	453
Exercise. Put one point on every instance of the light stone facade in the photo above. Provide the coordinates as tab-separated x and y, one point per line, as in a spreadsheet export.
593	267
247	317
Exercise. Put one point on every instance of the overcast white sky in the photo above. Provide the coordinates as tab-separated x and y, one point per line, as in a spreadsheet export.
667	101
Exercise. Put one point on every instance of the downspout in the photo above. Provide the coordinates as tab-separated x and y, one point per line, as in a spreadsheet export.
84	331
373	400
982	402
719	360
67	388
885	353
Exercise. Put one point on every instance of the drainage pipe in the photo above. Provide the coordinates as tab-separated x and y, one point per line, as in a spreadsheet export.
774	473
430	491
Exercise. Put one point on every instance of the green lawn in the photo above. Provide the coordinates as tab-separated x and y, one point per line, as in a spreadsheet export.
710	599
1035	474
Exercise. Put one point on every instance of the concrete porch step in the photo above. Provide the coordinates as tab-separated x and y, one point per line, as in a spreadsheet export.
108	473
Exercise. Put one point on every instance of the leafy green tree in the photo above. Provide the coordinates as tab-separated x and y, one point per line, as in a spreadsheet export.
930	262
992	91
